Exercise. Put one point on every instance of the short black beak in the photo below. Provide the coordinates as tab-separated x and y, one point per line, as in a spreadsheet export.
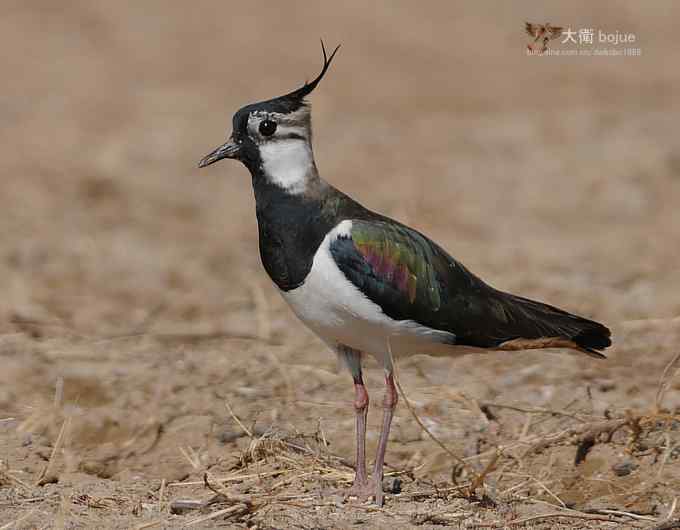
229	150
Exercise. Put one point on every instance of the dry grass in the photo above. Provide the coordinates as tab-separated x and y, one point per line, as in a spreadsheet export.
282	476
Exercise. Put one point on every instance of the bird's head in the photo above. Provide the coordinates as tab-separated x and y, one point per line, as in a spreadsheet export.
273	138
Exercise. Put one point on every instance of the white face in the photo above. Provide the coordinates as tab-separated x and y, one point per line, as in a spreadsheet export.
284	142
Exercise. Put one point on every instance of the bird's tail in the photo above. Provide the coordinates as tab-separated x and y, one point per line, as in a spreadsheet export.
537	325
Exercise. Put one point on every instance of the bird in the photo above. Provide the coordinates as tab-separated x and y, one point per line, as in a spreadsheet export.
367	284
541	31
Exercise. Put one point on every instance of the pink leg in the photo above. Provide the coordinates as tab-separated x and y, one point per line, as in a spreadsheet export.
362	487
389	404
361	409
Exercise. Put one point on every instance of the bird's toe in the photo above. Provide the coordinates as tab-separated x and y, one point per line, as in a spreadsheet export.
361	490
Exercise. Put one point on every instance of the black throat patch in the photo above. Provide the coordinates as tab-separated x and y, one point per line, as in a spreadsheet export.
291	229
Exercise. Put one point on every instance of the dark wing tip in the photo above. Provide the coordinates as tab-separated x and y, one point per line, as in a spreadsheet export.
593	336
594	353
532	29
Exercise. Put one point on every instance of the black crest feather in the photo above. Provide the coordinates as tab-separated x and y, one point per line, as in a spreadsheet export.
287	103
307	88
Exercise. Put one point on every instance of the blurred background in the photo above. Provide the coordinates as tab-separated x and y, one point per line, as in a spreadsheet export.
131	280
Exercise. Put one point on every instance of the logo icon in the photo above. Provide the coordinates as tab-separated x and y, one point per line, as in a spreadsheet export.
542	35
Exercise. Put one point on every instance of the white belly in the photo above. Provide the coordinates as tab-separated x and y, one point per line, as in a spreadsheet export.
336	310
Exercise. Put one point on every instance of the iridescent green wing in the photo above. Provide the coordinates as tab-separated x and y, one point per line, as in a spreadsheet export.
412	278
402	271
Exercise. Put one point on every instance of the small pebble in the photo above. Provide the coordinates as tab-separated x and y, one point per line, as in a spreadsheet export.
392	485
624	468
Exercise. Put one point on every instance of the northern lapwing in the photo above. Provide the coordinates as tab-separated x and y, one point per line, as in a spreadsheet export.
367	284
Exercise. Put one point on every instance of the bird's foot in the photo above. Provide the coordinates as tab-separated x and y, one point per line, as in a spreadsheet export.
362	490
366	490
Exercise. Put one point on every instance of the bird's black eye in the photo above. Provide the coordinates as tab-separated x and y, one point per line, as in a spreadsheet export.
267	127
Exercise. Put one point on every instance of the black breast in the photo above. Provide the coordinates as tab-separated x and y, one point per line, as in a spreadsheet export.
291	228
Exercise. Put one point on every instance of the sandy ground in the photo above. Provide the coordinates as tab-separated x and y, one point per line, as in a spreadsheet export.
134	307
